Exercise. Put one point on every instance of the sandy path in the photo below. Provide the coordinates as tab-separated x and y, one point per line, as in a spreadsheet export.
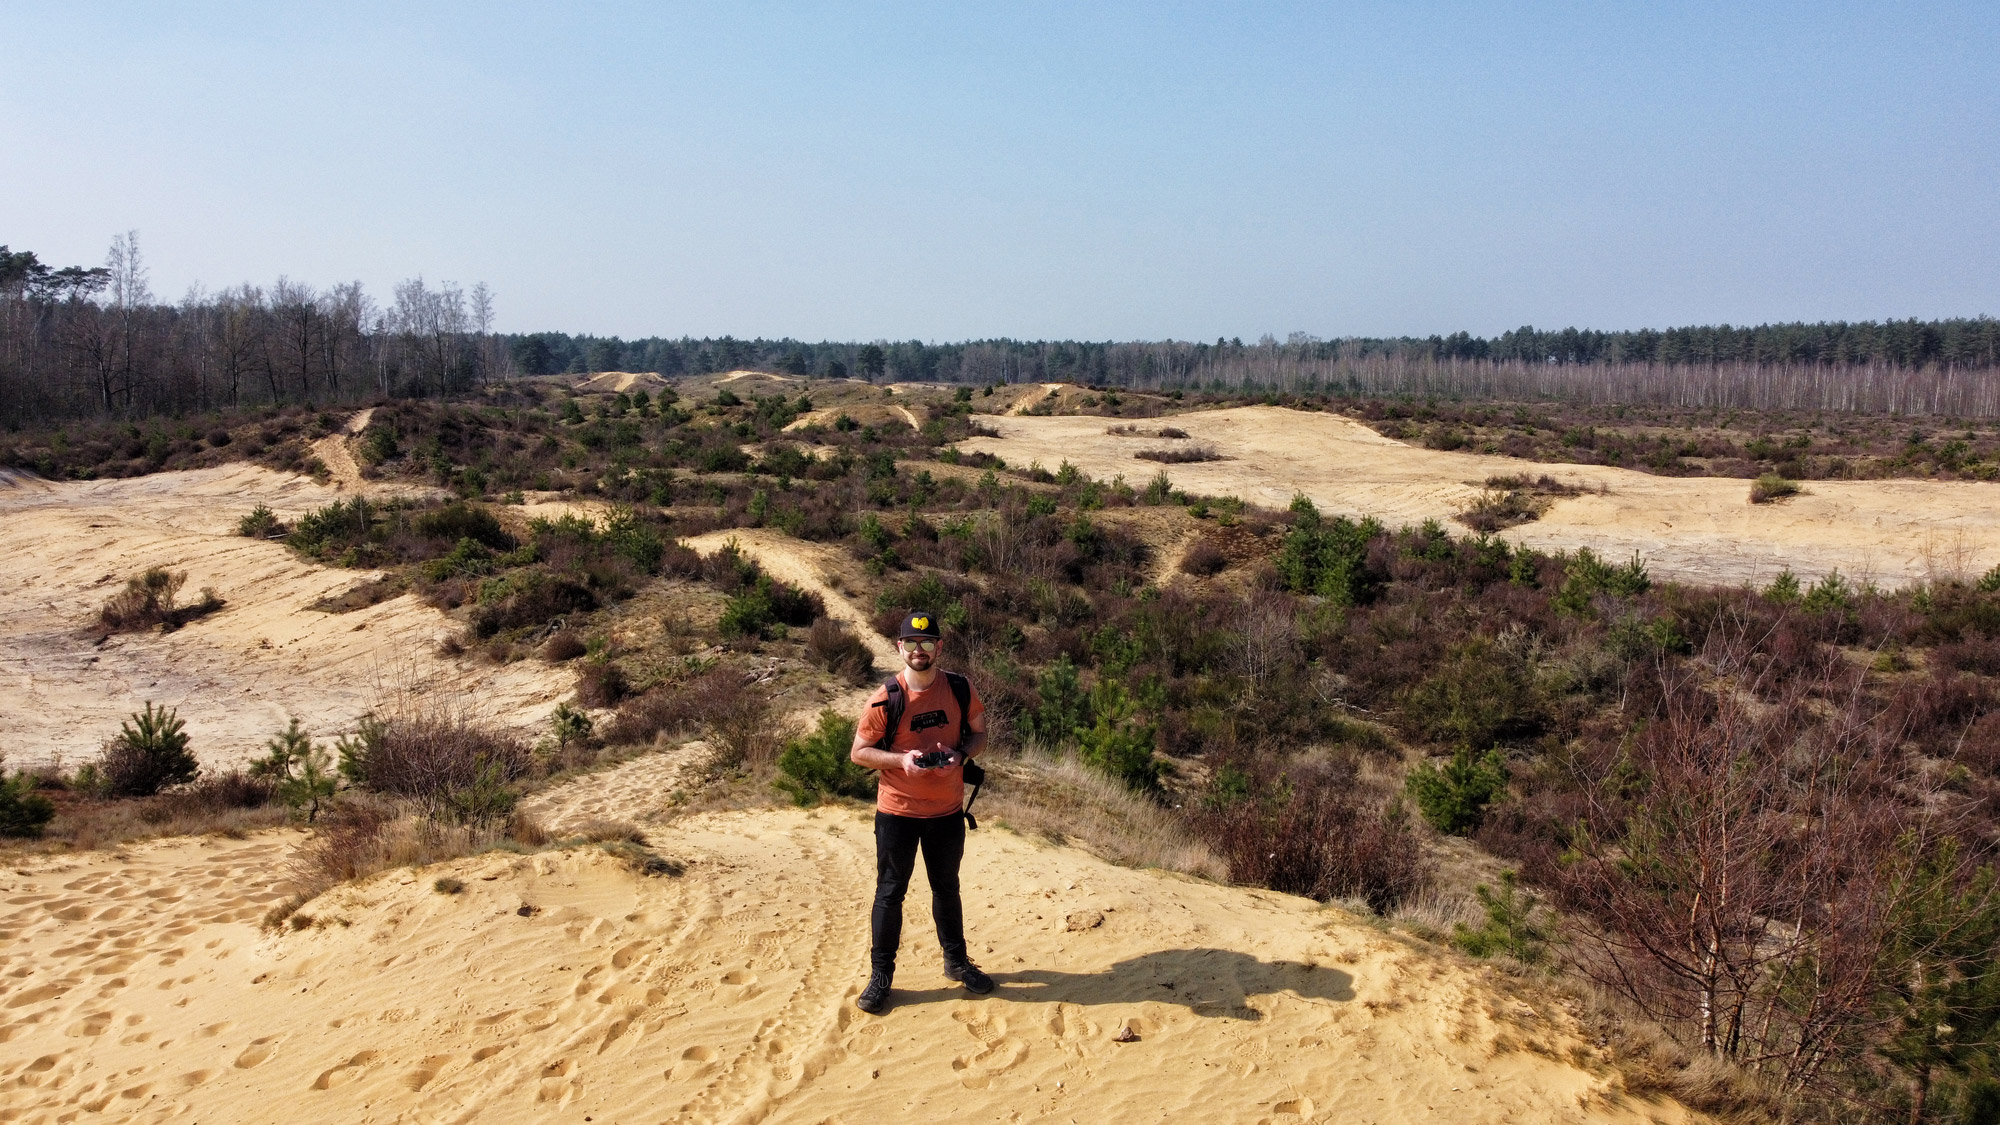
234	676
1698	528
638	792
137	985
801	563
1028	400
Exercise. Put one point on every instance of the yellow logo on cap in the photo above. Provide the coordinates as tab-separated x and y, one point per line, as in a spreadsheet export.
920	622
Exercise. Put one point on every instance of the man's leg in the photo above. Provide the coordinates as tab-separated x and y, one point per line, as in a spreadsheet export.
944	847
896	840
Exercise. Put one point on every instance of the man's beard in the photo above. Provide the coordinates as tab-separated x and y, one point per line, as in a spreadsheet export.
918	660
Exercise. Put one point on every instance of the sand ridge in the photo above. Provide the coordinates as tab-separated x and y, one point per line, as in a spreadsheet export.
1693	528
138	985
235	676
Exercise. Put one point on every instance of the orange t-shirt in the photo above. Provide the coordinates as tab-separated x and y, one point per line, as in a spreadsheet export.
930	721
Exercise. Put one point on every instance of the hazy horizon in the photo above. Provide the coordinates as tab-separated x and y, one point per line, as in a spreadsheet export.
860	172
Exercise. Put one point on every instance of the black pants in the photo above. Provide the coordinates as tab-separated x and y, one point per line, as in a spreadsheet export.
897	839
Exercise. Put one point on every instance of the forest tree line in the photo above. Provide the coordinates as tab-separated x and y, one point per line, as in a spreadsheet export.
79	342
95	342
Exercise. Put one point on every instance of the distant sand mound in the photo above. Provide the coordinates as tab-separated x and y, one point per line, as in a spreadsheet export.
564	982
235	676
1695	528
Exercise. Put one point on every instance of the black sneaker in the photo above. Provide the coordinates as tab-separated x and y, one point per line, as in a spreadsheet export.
875	997
968	974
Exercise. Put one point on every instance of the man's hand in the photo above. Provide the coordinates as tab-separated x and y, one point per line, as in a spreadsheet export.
910	765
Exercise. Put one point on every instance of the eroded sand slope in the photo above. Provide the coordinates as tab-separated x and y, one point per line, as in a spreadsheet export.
138	986
1695	528
234	676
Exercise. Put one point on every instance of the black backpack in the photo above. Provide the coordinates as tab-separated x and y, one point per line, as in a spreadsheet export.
894	700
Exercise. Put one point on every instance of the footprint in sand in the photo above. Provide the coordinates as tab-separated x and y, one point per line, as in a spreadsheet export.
90	1026
694	1062
612	1034
257	1052
344	1073
557	1086
998	1052
426	1071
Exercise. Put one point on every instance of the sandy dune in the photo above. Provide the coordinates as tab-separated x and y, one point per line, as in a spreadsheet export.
613	382
1698	528
138	986
235	676
1034	395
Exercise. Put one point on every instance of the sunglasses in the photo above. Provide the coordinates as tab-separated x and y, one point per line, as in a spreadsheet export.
921	646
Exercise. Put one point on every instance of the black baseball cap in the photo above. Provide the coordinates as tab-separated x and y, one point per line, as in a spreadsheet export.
919	624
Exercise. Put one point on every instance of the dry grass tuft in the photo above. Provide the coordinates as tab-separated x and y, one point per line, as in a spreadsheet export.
1771	488
1063	801
1181	454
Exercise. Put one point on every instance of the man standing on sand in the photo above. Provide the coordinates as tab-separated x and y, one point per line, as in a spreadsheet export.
917	732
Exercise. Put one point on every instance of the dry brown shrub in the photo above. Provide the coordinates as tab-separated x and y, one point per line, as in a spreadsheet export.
1203	559
834	647
600	683
718	703
196	802
563	645
1181	454
152	599
431	754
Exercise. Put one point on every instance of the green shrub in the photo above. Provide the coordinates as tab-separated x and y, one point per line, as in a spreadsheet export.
1117	742
1453	799
261	523
23	812
819	765
469	558
301	770
1784	589
1587	576
1327	559
150	753
1831	594
460	521
1479	692
1511	927
765	604
1060	709
568	724
324	531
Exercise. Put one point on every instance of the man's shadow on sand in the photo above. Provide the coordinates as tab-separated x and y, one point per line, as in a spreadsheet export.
1207	982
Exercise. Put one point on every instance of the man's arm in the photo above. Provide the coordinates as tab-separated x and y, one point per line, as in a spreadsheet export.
975	741
867	755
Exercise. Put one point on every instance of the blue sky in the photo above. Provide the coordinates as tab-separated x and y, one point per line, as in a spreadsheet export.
861	171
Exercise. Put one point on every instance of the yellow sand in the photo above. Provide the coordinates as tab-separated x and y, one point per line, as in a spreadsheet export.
138	986
1696	528
235	676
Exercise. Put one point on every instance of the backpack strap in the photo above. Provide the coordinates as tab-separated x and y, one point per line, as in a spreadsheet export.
961	693
975	774
893	700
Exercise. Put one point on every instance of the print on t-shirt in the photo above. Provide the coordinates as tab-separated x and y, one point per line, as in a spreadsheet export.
929	719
